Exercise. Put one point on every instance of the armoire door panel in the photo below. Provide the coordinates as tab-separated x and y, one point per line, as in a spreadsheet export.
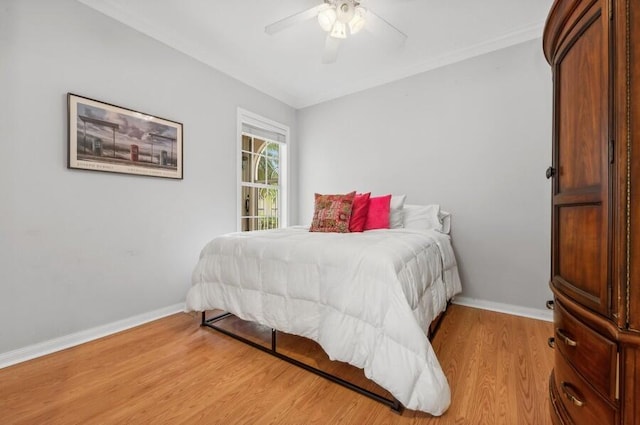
582	119
581	268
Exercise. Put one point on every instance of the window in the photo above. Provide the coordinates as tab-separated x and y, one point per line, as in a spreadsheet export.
262	175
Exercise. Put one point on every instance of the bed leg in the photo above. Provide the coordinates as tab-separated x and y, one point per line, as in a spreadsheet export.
273	339
203	319
397	407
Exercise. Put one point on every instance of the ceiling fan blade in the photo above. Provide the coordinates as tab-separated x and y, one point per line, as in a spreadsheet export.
331	47
379	25
294	19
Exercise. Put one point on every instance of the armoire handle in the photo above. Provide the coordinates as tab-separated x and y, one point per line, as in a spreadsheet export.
567	390
560	333
550	172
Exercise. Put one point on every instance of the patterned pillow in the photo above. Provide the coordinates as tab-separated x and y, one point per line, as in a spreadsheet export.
332	213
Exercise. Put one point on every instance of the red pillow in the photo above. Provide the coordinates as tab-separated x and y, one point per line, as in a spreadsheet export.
378	214
359	212
332	213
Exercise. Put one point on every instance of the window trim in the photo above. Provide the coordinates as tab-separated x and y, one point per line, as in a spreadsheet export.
258	121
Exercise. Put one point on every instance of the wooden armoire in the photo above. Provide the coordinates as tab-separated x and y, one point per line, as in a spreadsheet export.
593	47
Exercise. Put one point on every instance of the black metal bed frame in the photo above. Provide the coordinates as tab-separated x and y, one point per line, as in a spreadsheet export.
394	404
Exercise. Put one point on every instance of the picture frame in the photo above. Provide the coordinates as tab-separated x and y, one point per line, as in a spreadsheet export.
114	139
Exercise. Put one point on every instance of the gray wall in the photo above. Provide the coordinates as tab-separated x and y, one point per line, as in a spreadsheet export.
474	137
80	249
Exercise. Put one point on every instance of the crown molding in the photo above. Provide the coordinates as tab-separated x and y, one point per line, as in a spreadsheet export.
196	51
522	35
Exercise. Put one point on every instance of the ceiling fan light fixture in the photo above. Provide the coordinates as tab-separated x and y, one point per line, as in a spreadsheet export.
339	18
327	18
339	30
357	22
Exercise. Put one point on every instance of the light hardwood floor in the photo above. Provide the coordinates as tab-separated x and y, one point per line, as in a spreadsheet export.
171	371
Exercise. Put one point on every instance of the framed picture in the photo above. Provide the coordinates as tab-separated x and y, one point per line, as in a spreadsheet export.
105	137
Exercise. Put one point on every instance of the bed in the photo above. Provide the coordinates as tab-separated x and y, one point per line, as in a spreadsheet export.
367	298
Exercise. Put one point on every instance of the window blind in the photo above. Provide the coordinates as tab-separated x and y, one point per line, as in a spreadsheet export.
262	133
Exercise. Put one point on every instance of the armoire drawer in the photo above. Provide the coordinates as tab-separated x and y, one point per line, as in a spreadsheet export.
591	354
582	404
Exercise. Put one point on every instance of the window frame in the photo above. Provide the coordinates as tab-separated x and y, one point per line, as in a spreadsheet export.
254	120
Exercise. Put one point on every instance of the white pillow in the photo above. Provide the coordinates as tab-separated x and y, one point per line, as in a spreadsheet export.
445	219
395	211
426	217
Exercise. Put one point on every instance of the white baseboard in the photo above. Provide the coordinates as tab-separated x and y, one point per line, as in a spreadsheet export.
516	310
61	343
36	350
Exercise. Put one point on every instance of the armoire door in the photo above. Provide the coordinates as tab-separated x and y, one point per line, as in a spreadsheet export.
581	161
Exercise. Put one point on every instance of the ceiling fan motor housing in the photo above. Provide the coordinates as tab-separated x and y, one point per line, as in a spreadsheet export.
345	9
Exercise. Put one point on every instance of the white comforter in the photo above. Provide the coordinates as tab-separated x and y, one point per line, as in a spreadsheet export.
366	298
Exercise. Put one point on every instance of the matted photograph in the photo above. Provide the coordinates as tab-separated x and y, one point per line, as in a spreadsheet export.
105	137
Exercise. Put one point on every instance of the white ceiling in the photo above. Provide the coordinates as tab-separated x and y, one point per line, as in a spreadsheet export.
229	36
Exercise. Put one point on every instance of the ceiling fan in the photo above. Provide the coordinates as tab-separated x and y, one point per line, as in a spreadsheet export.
339	18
